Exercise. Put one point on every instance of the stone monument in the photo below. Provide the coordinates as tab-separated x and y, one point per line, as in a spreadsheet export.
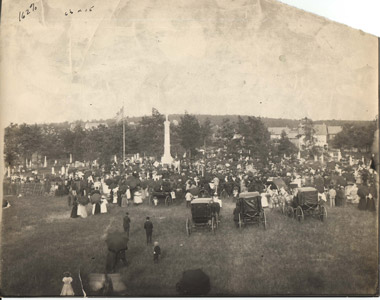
167	159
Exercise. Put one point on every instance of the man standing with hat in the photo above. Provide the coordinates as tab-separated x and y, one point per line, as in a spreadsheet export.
126	223
148	226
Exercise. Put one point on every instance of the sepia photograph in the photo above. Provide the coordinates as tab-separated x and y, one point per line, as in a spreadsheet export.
175	148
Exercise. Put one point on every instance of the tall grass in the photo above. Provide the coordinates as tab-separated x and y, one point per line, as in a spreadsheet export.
337	257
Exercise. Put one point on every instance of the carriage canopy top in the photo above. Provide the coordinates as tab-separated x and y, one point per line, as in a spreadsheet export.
201	201
249	202
249	195
278	182
307	196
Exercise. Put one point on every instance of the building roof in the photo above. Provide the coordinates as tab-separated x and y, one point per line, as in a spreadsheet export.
334	129
293	135
320	129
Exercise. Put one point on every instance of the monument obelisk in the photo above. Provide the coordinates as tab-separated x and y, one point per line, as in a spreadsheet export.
167	159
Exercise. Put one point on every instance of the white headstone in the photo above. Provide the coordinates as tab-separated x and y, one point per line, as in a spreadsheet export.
45	162
52	171
339	155
71	158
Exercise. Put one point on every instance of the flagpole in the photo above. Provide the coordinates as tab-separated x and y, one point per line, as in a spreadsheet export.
123	137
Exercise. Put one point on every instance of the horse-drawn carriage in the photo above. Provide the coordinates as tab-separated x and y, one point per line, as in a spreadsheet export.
306	202
161	192
280	192
204	214
249	210
160	196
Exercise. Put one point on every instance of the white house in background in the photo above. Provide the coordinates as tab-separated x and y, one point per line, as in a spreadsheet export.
320	134
275	132
323	134
332	131
92	125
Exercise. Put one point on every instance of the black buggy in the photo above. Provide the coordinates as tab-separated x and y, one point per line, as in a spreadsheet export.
162	197
204	214
249	210
306	203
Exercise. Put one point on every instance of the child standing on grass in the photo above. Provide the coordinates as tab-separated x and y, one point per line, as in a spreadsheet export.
156	252
67	289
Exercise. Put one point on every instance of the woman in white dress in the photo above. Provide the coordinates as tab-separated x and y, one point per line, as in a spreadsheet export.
137	199
82	202
114	200
103	205
67	289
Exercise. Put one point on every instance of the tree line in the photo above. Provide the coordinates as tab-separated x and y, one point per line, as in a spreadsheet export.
246	136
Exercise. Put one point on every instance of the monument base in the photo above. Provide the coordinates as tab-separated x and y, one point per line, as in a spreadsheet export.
167	160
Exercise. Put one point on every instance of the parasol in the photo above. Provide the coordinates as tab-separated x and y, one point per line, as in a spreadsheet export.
117	241
132	182
95	198
194	191
83	200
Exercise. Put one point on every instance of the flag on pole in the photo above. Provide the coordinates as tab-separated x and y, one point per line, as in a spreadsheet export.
120	115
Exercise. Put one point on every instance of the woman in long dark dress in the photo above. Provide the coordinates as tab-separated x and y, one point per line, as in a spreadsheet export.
362	193
372	195
74	210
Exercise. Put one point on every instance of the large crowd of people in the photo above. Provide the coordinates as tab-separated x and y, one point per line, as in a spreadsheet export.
136	181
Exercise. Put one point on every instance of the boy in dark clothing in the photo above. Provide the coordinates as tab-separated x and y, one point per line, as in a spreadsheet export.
156	252
148	226
126	223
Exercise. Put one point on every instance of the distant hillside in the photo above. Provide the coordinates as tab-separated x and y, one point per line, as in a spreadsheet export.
269	122
218	119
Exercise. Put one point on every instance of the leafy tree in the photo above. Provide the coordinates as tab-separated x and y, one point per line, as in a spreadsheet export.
355	136
190	133
256	136
11	144
175	141
29	140
308	139
52	142
151	135
78	147
206	131
285	146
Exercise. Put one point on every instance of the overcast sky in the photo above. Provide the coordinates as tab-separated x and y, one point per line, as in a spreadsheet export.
255	57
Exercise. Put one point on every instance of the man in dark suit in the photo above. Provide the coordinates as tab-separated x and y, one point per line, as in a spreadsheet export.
148	226
126	224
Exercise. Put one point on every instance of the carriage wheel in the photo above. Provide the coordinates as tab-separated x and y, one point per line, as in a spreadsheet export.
299	214
216	221
188	227
290	212
213	226
168	200
322	213
223	195
240	222
263	219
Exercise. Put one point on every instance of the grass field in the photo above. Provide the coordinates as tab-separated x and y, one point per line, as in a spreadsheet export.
337	257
